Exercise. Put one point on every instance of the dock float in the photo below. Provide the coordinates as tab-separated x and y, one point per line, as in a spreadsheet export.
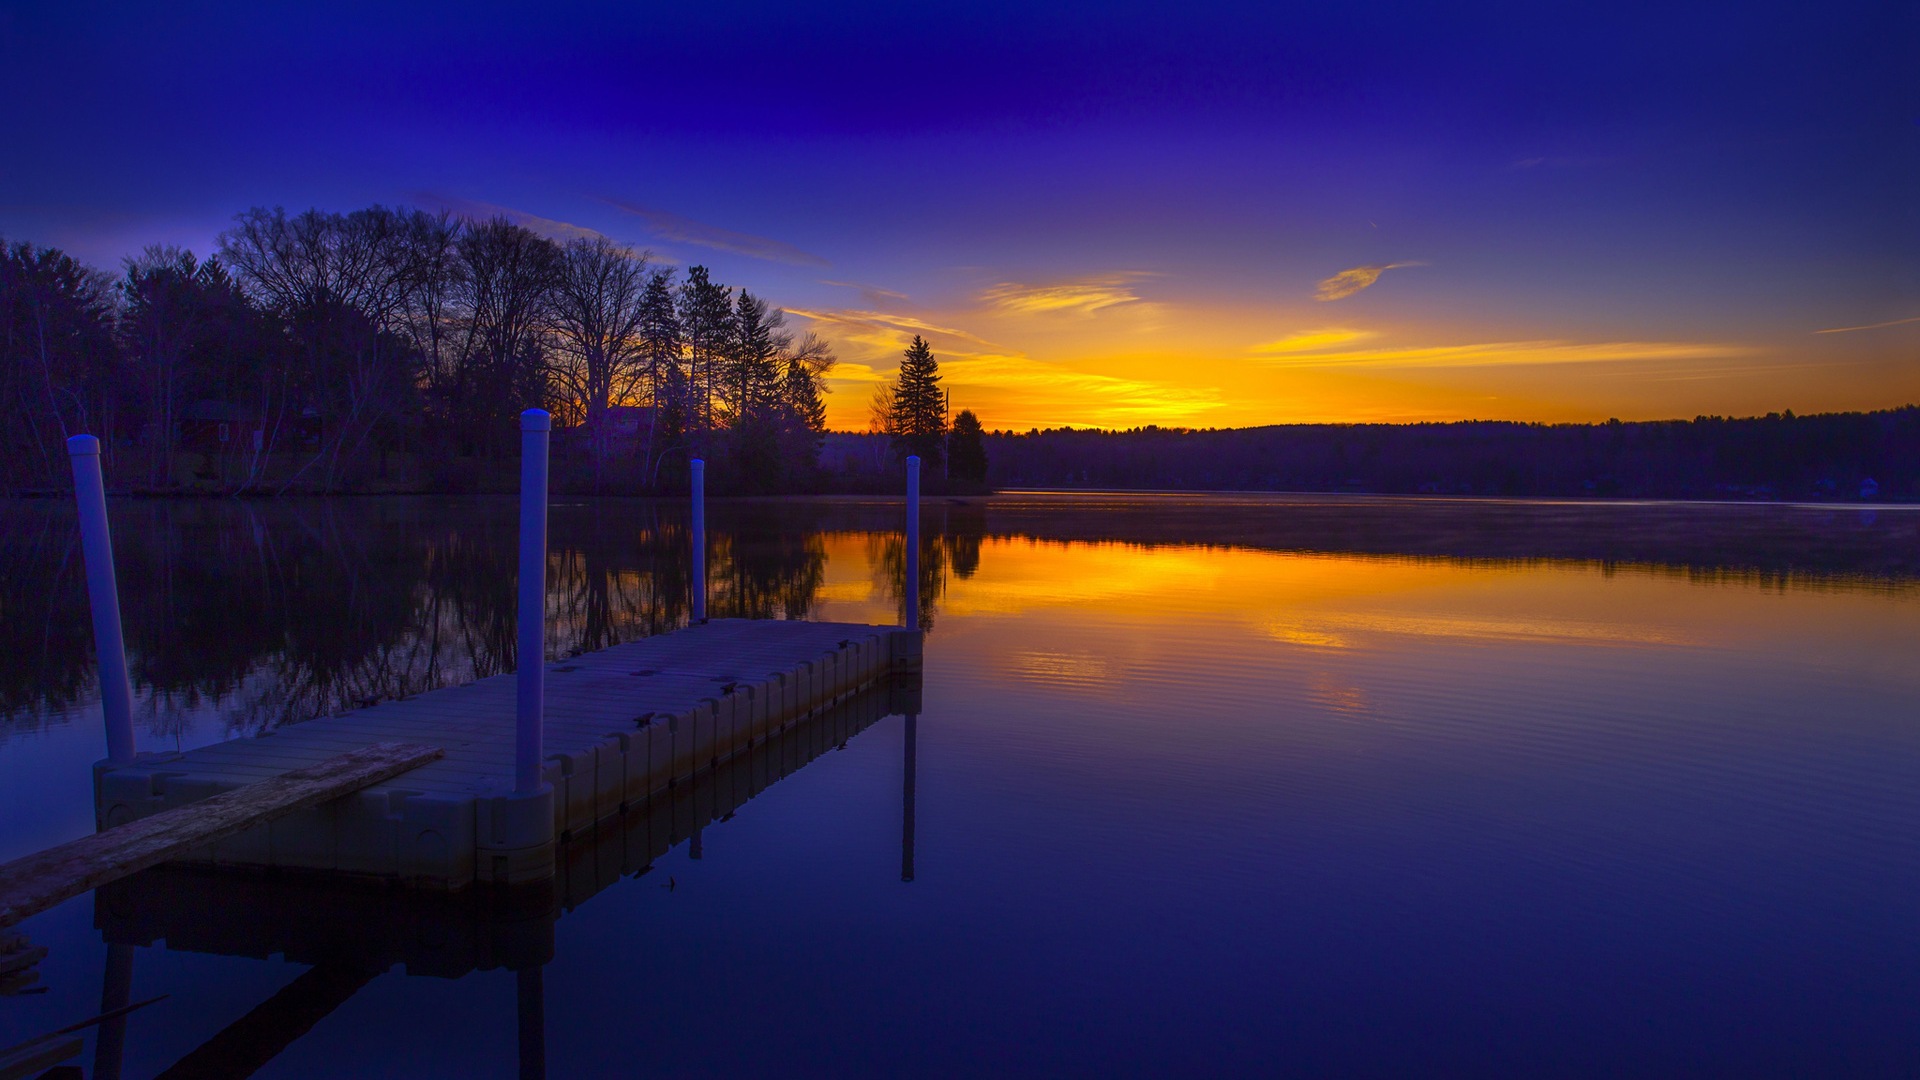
450	934
37	882
351	931
621	725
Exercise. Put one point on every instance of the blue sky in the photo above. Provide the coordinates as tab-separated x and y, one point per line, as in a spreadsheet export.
1099	214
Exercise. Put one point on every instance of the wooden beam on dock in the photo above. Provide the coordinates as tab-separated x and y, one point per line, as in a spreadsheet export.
35	883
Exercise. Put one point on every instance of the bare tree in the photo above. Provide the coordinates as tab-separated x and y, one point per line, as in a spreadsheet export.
598	312
341	282
433	293
504	309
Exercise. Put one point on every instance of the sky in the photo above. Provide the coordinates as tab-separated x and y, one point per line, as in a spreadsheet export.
1100	214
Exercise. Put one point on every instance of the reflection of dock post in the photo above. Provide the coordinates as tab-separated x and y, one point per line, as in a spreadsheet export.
96	542
906	811
698	471
696	818
116	992
913	542
532	652
532	996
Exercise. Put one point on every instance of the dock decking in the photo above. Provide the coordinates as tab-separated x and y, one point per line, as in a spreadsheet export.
620	724
33	884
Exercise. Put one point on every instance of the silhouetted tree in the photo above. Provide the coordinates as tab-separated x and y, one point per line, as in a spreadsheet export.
969	453
803	401
61	364
598	313
706	326
917	420
339	282
670	391
511	274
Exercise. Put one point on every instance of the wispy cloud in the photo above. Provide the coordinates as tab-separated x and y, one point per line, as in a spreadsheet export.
872	294
472	208
1056	395
1312	340
682	230
1081	296
1870	326
882	328
1347	282
1511	353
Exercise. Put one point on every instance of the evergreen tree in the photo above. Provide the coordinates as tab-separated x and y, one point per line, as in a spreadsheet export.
803	404
918	419
749	401
969	452
706	319
661	351
752	376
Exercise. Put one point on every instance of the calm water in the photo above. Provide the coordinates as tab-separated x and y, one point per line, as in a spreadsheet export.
1201	786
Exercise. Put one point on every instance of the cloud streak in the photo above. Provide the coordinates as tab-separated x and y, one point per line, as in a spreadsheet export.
1053	395
682	230
879	327
1870	326
1347	282
1511	354
872	294
1081	296
1312	340
481	211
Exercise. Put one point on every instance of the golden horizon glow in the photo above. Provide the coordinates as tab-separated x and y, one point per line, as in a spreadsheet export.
1102	351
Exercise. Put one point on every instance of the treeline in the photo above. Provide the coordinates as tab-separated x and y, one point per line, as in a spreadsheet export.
1852	456
326	352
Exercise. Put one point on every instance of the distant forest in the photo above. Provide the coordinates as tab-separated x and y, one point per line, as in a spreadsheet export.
1851	456
391	349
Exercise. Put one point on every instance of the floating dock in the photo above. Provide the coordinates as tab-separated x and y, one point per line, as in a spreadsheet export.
621	726
451	934
351	931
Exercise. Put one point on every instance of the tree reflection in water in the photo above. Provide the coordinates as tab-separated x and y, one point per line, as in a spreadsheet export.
253	614
266	613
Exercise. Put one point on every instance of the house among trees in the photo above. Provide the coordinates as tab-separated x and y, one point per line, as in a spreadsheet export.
623	432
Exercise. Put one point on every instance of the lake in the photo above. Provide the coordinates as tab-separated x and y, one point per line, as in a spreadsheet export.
1200	785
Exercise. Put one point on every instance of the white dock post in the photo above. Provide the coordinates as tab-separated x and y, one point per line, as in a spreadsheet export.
116	693
699	582
913	542
530	678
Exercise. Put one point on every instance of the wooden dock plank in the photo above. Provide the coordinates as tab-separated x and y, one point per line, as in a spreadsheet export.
32	884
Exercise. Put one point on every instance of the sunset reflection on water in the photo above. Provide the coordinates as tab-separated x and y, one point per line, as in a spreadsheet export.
1201	784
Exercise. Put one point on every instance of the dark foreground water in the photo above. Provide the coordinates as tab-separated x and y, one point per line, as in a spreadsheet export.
1201	786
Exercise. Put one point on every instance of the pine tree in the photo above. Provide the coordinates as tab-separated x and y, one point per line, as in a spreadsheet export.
752	376
918	417
661	351
706	317
802	404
